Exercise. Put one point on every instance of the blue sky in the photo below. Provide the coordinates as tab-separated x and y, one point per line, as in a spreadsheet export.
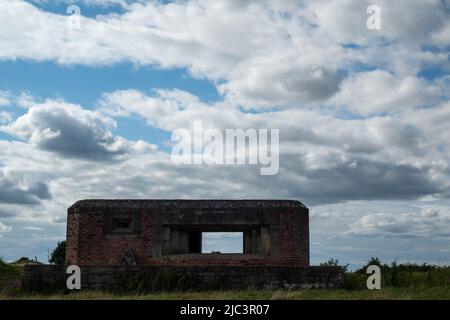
84	85
364	115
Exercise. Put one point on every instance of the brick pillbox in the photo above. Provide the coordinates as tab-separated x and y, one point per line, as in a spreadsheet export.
147	237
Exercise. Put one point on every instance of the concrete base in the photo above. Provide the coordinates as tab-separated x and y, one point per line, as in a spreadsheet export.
52	278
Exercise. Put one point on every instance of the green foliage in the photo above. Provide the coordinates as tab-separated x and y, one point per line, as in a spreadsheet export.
8	270
58	255
374	261
399	281
23	261
10	278
334	263
395	275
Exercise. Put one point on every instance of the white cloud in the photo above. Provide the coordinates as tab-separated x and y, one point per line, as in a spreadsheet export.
304	62
4	98
425	223
70	130
33	228
441	36
102	3
290	54
5	117
378	92
358	159
381	157
21	190
4	228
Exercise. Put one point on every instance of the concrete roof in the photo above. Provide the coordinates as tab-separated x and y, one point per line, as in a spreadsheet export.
179	204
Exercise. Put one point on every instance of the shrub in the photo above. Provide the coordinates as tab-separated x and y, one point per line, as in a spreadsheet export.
334	263
407	275
7	270
58	255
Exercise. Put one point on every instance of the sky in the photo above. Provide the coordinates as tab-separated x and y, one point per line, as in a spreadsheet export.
88	104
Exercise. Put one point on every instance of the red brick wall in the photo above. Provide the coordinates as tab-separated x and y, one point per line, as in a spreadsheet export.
72	238
294	236
86	243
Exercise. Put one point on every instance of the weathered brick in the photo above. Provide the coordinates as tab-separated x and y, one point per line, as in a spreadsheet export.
286	224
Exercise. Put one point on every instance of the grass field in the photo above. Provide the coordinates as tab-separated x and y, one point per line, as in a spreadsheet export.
385	293
405	282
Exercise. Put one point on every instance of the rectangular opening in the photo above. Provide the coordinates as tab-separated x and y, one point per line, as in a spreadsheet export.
222	242
121	223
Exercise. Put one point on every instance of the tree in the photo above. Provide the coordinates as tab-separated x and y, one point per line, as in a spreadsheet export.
58	255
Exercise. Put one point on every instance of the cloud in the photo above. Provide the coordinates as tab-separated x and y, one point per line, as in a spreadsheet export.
283	85
5	213
33	228
425	223
374	158
4	98
342	20
363	133
441	37
354	178
4	228
22	192
69	130
102	3
5	117
168	109
377	92
291	55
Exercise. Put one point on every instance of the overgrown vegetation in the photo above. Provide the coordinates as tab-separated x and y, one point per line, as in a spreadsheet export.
58	255
334	263
407	275
399	281
10	277
24	260
8	270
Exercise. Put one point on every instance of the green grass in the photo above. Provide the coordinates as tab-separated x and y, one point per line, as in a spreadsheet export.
386	294
8	270
10	278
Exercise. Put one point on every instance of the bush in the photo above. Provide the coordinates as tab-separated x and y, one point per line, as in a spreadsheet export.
407	275
7	270
58	255
25	260
334	263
